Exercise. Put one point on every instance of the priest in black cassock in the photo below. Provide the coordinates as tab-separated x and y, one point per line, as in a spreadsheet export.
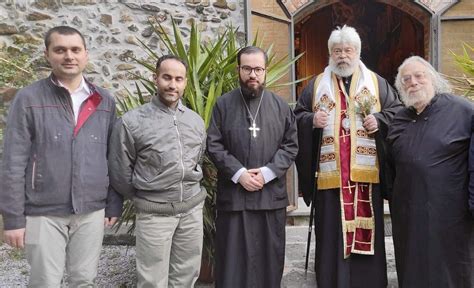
433	230
344	114
252	140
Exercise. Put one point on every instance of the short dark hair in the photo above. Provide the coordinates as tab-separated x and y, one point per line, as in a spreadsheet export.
62	30
168	57
251	50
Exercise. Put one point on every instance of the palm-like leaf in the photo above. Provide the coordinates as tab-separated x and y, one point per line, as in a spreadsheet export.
464	84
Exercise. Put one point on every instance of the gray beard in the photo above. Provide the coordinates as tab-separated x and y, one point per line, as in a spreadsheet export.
340	71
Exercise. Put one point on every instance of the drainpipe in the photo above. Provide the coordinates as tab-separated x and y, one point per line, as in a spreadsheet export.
435	40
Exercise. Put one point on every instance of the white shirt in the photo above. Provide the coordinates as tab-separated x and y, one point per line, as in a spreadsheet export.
78	97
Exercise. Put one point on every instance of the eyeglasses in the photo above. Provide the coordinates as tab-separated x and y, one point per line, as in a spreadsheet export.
347	51
248	70
408	79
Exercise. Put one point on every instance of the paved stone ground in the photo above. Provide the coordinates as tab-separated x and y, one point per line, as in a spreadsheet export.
117	264
294	275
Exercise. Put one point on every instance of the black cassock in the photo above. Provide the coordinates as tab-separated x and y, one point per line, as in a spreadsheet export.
250	226
332	270
432	229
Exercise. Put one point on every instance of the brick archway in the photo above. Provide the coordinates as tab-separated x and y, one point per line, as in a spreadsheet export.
412	8
391	30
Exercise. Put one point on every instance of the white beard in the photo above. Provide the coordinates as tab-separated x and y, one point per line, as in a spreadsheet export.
344	70
416	99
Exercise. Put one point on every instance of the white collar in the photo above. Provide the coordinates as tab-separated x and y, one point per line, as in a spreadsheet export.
82	87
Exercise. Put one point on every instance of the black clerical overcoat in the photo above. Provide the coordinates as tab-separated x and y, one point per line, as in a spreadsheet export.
250	226
231	147
471	170
433	230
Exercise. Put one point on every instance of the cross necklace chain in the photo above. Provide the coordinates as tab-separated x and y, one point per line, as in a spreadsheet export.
253	129
346	122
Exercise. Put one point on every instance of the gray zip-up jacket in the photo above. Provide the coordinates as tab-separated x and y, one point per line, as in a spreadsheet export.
51	166
155	157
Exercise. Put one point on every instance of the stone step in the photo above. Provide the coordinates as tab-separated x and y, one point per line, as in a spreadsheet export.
300	216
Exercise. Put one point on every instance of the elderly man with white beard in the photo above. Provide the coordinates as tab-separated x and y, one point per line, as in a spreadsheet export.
429	141
343	116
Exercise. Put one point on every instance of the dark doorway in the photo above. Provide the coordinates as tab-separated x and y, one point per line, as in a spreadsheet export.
389	35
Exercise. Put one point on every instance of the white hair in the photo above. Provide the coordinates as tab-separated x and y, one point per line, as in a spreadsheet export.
440	84
345	35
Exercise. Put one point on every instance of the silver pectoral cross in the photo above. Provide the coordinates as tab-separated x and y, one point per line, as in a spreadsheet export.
254	130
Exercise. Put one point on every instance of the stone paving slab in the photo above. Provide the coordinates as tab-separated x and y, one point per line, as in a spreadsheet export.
294	274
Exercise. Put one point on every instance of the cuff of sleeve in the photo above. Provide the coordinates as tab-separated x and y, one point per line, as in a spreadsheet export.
113	211
237	174
268	174
15	222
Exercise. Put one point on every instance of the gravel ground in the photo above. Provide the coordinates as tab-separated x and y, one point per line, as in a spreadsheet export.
116	267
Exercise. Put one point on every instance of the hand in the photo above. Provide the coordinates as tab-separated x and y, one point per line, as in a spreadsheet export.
15	238
257	174
249	182
320	119
110	221
370	123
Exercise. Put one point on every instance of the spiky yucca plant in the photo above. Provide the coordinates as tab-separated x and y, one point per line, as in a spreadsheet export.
212	71
464	84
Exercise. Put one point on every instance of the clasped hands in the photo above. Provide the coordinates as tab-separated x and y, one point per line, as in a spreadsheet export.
321	118
252	180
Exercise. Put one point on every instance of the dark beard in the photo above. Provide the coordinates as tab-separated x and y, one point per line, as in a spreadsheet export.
250	92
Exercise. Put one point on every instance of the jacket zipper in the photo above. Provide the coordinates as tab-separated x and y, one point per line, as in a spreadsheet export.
180	157
69	107
33	173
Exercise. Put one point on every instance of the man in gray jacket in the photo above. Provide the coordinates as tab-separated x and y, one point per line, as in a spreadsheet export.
54	185
155	159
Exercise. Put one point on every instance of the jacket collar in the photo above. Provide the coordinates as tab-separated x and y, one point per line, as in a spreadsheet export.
156	101
88	85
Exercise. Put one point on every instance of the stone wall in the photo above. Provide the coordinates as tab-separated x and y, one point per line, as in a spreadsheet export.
112	29
6	96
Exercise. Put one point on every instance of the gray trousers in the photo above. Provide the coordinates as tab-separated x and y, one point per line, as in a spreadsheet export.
74	242
168	249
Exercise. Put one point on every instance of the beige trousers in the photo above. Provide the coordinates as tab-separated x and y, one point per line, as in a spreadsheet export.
53	243
168	249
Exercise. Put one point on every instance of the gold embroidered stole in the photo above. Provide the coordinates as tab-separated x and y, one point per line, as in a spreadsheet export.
353	177
364	163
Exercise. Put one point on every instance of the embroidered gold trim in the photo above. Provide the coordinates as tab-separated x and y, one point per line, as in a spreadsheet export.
363	173
358	172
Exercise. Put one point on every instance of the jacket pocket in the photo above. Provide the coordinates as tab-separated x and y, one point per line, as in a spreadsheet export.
33	173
